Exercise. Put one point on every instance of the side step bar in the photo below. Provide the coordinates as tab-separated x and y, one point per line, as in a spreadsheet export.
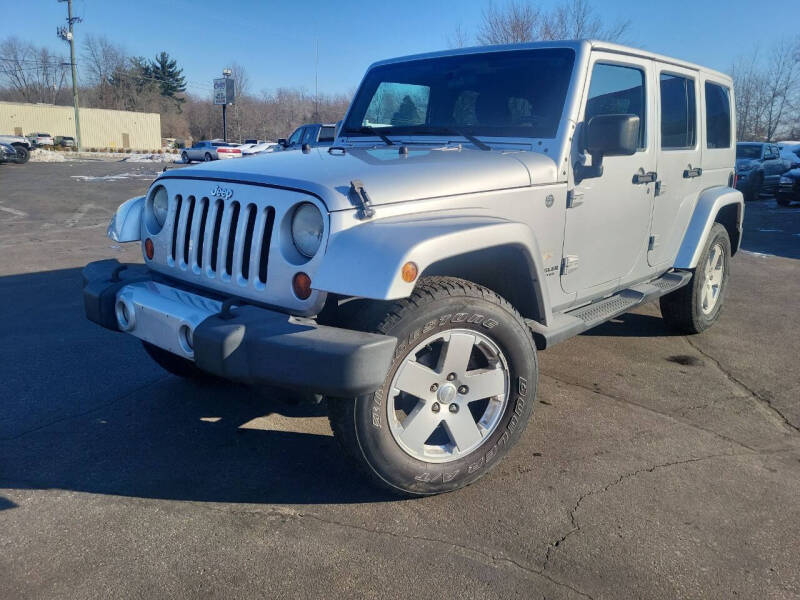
571	323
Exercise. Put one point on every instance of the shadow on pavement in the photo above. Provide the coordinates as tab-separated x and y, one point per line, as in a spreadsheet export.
85	409
632	325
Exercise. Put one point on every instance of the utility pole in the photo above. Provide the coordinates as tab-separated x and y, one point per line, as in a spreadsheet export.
66	34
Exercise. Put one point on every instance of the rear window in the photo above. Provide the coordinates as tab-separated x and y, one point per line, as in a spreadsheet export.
678	112
326	134
748	150
718	116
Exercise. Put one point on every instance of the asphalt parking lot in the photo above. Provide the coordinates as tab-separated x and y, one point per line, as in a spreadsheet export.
656	466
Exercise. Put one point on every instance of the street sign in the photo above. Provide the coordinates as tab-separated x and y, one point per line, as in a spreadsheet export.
223	91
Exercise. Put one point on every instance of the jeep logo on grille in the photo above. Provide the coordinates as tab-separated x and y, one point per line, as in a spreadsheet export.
222	193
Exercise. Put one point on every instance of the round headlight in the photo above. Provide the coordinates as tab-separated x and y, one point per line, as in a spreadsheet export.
307	226
160	206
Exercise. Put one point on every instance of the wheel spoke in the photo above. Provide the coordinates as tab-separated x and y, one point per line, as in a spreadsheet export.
456	353
463	429
416	379
485	384
418	426
706	295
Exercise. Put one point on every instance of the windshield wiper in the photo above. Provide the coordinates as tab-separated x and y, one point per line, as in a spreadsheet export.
372	131
472	139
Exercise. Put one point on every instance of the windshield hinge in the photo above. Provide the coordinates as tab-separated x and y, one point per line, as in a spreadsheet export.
574	199
359	196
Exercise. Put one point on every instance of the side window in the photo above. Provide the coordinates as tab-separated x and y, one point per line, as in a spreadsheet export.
718	116
678	112
616	90
307	135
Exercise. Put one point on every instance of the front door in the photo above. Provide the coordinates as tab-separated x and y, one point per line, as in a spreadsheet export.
605	238
679	162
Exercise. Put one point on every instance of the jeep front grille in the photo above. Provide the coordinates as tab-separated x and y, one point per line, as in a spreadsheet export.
228	240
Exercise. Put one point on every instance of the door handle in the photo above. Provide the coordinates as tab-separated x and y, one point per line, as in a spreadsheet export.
692	173
645	177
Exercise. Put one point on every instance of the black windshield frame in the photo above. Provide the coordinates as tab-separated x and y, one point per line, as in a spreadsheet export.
483	94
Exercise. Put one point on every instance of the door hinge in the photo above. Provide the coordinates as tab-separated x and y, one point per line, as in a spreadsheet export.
652	244
661	188
569	263
361	199
574	198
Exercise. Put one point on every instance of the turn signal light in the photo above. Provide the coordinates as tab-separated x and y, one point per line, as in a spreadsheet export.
301	285
409	272
148	249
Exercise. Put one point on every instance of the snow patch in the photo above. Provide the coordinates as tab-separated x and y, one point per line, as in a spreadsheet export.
39	155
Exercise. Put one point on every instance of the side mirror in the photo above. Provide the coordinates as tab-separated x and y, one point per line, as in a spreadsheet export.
282	142
609	135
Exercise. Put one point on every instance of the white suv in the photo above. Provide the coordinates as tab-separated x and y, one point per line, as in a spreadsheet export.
477	205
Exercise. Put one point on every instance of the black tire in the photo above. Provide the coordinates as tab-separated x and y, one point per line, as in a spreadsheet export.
185	158
783	199
683	309
754	189
207	157
174	364
23	154
438	304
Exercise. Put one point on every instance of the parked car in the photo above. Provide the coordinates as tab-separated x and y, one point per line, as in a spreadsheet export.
65	141
411	274
758	167
41	139
789	188
790	153
21	145
7	153
259	148
210	150
313	134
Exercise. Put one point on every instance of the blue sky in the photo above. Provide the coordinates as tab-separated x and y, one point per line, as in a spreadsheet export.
275	40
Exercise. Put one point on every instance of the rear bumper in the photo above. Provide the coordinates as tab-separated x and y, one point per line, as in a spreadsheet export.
248	343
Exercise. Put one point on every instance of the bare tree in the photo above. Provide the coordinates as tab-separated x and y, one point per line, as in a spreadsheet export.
767	92
521	21
31	74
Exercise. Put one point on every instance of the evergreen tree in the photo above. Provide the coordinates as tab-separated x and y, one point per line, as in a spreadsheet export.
165	70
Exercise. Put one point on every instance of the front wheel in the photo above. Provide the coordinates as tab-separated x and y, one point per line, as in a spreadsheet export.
696	307
23	154
458	394
185	158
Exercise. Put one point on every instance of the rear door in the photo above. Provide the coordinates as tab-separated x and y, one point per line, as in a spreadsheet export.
679	161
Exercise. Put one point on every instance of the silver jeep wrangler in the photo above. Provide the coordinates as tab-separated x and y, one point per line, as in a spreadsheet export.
477	205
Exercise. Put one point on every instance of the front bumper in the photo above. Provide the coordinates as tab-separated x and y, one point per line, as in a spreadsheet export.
246	343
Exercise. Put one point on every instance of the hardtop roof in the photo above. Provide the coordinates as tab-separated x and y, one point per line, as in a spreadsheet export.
576	45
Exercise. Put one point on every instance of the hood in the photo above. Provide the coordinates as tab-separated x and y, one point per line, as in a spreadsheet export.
387	176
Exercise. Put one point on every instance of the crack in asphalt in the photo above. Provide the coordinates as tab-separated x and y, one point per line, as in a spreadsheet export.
551	548
84	413
672	417
483	554
761	400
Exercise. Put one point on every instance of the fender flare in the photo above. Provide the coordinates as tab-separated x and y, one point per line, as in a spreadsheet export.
708	206
366	260
126	224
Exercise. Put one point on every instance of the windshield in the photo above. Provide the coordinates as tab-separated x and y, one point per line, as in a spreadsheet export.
518	93
748	151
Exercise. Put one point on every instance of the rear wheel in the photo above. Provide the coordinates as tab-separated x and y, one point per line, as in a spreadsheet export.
207	157
185	158
754	191
23	154
456	398
696	307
